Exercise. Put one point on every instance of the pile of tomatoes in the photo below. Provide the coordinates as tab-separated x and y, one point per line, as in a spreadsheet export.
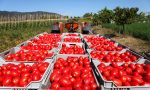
72	49
75	72
72	73
29	55
102	44
78	40
126	74
20	75
113	56
47	39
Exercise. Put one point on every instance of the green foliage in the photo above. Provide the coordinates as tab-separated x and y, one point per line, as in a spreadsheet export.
12	34
87	15
139	30
125	15
105	15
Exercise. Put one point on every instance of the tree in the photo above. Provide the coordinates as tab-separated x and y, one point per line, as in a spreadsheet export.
141	17
95	19
87	15
124	16
105	15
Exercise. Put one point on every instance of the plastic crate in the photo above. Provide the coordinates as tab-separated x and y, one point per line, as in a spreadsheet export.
16	49
120	52
70	44
26	44
109	85
33	84
65	58
81	40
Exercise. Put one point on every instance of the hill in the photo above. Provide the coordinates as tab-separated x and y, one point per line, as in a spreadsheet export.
19	16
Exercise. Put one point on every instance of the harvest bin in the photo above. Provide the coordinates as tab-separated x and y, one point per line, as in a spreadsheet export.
68	44
16	49
109	85
65	58
53	49
139	57
38	85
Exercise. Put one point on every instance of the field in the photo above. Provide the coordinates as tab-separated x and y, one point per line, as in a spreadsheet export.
138	30
134	43
12	34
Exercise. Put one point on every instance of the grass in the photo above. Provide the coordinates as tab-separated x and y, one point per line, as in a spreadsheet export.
12	34
139	30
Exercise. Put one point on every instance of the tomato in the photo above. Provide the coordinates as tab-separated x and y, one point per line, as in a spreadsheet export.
23	81
114	72
102	65
1	79
86	87
84	75
72	80
137	79
25	69
76	73
8	72
114	64
147	78
93	86
139	70
65	82
128	70
117	82
16	80
25	74
77	84
55	85
87	81
123	79
53	76
134	84
42	68
121	73
106	73
66	70
126	84
7	81
15	73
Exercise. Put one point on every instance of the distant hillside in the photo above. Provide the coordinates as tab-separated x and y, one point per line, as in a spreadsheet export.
18	16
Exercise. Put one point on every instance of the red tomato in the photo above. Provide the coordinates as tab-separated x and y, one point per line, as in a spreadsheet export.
23	81
128	70
76	73
77	84
87	81
86	87
117	82
137	79
65	82
55	85
106	73
7	81
42	69
15	73
16	80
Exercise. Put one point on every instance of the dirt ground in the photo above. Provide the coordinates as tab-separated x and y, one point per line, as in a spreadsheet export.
132	42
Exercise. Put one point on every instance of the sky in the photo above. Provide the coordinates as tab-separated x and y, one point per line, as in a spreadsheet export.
71	7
